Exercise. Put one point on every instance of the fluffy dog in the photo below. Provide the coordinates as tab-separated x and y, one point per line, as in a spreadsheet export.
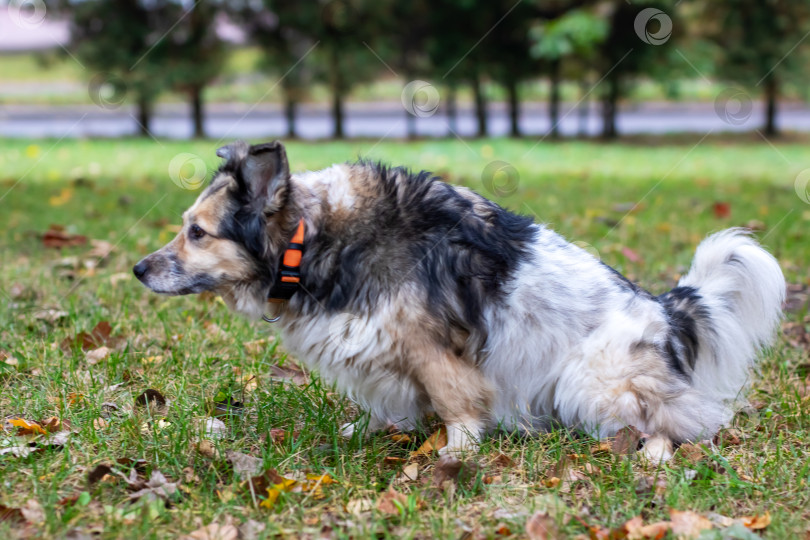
416	296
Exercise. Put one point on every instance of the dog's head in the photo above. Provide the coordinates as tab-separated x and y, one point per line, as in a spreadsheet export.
233	235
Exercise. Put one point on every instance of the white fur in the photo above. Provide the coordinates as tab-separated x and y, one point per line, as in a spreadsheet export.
546	363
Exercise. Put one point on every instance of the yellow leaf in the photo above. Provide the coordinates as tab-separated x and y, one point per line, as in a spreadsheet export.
63	197
275	490
757	522
323	479
436	441
26	426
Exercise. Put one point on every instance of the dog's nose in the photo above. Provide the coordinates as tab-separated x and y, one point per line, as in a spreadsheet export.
140	269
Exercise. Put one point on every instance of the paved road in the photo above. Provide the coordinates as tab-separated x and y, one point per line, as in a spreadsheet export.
374	120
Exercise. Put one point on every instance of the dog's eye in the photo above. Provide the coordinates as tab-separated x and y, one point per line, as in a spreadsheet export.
196	232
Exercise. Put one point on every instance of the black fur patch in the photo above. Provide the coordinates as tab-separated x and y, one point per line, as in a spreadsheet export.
684	312
418	229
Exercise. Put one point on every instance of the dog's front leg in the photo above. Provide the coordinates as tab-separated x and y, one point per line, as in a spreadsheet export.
374	424
460	395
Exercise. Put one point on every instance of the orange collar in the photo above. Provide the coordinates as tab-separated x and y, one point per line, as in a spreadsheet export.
289	272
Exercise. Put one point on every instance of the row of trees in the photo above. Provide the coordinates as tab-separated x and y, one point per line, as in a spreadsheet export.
150	46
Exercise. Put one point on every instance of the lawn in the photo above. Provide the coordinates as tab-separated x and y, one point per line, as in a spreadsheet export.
225	401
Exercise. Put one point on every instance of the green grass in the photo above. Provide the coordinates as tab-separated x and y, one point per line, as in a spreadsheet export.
192	349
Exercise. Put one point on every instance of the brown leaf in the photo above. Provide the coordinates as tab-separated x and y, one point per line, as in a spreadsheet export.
158	487
728	437
11	515
56	237
757	522
502	460
691	453
452	468
391	501
100	250
99	336
53	424
688	524
542	527
626	441
95	356
98	472
262	482
151	397
410	473
214	531
721	209
243	464
289	371
436	441
33	512
635	529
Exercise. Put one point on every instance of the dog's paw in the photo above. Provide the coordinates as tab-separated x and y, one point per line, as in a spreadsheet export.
657	449
347	430
460	440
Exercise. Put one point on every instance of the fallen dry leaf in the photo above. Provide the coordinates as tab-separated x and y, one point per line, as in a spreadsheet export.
435	442
688	524
100	249
95	356
33	512
157	487
541	526
213	531
99	336
56	237
453	469
244	465
392	502
290	371
98	472
153	399
410	473
626	441
11	515
25	427
691	452
757	523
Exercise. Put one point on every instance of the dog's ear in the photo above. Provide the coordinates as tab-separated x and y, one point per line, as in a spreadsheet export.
267	173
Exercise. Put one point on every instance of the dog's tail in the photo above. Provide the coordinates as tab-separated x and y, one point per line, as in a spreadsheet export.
737	291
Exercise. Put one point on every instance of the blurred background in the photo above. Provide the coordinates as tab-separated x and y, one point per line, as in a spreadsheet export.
322	69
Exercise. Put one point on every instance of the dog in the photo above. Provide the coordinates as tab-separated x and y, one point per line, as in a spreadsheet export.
417	296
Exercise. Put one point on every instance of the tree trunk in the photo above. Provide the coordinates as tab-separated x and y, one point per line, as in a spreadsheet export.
197	112
337	112
144	116
514	107
554	99
771	99
480	106
584	106
609	109
289	114
452	109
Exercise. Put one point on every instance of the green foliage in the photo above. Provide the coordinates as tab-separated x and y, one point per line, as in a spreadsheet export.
578	33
